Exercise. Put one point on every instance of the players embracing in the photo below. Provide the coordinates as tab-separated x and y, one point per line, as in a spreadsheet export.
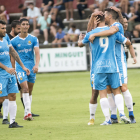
104	68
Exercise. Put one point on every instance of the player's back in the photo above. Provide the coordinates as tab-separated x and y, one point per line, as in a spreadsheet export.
104	52
119	49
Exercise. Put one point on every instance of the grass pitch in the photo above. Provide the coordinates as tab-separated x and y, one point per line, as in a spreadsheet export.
62	100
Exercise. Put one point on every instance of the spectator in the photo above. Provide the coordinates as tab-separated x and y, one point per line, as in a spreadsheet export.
60	37
33	14
136	35
55	23
23	9
72	35
98	3
132	12
136	5
124	6
68	7
44	23
3	14
134	21
81	5
47	5
57	7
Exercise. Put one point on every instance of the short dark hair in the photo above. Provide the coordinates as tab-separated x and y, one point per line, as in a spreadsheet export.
31	3
113	13
23	19
15	23
20	6
2	22
73	26
101	17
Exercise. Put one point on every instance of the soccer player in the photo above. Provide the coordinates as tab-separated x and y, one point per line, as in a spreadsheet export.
8	85
25	45
106	69
15	30
111	19
95	93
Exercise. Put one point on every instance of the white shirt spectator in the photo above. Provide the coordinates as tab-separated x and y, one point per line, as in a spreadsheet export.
77	31
33	13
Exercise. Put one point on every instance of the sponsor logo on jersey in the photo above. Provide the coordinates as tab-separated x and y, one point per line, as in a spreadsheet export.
0	92
19	45
29	42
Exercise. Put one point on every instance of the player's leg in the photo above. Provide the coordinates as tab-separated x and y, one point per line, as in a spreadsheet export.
31	81
128	102
126	94
100	81
93	101
93	106
5	111
13	110
112	105
115	85
22	79
11	90
26	100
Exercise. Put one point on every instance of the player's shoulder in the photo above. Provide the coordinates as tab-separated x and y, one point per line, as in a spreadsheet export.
15	38
100	29
32	36
117	24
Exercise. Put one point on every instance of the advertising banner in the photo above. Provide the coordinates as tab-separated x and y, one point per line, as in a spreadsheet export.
63	59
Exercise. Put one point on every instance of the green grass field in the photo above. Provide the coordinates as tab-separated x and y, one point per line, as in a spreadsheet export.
62	100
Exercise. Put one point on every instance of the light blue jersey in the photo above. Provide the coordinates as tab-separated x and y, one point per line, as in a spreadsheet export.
25	49
5	58
103	49
7	38
120	55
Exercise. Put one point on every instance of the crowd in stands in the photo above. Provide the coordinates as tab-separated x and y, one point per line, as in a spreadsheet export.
45	19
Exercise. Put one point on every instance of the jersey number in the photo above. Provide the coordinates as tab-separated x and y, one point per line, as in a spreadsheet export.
102	44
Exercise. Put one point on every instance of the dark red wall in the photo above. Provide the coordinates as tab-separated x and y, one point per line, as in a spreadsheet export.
12	5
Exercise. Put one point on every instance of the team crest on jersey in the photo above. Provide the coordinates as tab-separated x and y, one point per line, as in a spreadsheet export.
21	78
0	92
29	42
92	82
19	45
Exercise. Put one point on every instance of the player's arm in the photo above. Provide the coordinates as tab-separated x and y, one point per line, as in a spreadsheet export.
109	32
126	41
80	43
13	62
37	54
93	20
9	70
119	13
15	56
132	52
